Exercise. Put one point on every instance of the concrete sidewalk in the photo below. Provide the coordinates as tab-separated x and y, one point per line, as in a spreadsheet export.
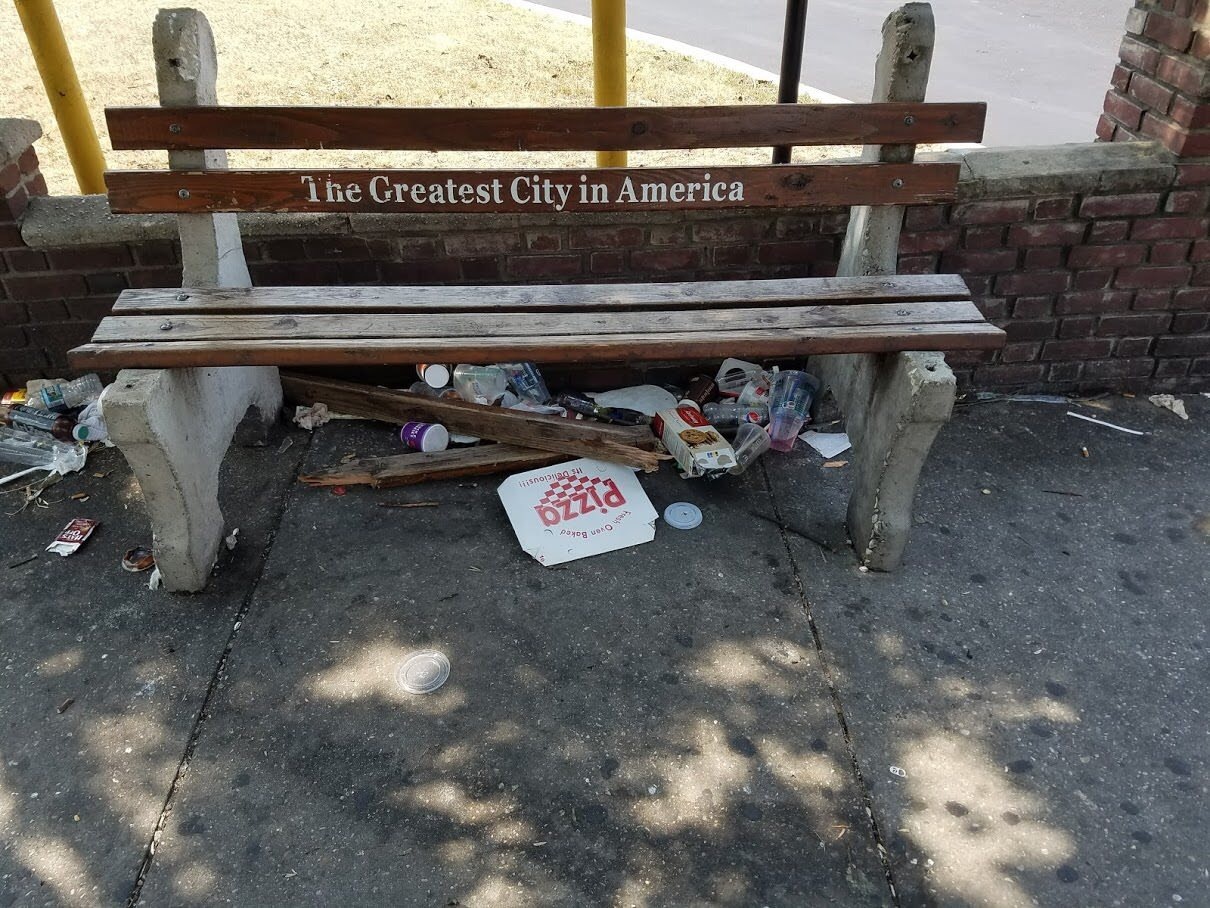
708	719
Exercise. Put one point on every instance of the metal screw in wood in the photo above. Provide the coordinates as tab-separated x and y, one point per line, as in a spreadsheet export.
897	184
184	193
174	128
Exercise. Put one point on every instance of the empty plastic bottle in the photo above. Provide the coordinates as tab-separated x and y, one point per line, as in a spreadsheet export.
72	394
32	419
34	451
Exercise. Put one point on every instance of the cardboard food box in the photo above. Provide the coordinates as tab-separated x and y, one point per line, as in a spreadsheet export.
698	447
576	509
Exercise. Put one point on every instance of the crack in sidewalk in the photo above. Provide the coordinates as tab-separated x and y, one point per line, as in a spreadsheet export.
830	678
212	687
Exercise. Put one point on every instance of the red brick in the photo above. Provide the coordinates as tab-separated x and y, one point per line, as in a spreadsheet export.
1180	141
1200	366
983	238
10	237
1121	108
1187	75
460	245
1134	346
1108	231
1096	279
794	227
1147	276
667	234
1174	253
37	186
89	310
155	277
919	264
666	259
1008	211
28	162
480	268
1044	257
794	252
10	179
980	284
1133	325
25	260
14	206
12	313
1054	208
1093	301
1041	329
1080	326
1191	298
1150	93
1047	233
730	256
1187	201
993	307
1020	353
294	274
1200	251
543	242
106	282
989	262
1107	256
1183	345
546	266
1172	368
1201	275
607	237
1189	113
928	241
1138	55
1084	348
1033	306
728	232
1169	228
90	257
1099	206
279	251
1174	31
436	271
58	336
1009	375
1032	283
336	247
1117	369
608	262
1152	299
1136	19
924	217
1120	79
1107	128
1190	322
45	286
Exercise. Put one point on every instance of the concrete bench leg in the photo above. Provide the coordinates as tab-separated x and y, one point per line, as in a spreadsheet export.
894	406
174	426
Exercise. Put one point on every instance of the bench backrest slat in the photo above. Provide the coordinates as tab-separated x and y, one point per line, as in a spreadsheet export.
513	191
544	129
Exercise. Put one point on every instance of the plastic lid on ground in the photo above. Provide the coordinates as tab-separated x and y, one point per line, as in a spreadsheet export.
423	672
682	515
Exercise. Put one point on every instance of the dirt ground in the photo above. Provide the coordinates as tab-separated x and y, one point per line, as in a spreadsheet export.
475	53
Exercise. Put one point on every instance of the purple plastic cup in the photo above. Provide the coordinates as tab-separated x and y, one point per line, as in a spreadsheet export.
424	436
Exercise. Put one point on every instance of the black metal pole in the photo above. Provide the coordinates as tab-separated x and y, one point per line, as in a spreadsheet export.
791	64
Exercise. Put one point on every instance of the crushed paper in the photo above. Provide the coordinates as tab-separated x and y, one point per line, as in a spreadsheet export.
312	417
828	444
1168	402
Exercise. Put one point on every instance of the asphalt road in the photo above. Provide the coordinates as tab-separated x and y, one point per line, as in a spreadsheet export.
1043	67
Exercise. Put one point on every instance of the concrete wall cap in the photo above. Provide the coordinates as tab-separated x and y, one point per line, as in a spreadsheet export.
16	136
997	173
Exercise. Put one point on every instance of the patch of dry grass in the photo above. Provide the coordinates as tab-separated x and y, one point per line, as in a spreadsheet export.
434	53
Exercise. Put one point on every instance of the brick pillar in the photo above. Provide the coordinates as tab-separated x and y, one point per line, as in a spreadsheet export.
19	175
19	180
1160	89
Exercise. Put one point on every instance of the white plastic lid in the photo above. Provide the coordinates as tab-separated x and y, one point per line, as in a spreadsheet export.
681	515
436	375
423	672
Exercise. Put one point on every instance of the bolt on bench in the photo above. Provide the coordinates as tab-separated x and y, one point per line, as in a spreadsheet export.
198	360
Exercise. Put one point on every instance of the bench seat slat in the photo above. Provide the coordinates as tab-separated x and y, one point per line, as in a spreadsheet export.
482	191
545	129
551	325
546	297
613	348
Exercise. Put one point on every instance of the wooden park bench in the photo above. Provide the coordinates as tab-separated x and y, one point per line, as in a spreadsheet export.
196	360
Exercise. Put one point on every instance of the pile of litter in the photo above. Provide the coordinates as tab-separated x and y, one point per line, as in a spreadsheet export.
469	420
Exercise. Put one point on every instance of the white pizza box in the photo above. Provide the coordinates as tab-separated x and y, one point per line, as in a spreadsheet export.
576	509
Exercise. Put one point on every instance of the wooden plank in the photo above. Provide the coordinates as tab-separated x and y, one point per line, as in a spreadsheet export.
528	430
531	191
549	325
544	129
544	297
408	469
614	348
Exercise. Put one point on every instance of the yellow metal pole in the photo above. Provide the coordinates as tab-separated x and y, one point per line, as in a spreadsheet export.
58	73
609	64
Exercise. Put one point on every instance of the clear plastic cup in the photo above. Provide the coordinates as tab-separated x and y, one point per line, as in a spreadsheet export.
789	407
751	441
480	384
